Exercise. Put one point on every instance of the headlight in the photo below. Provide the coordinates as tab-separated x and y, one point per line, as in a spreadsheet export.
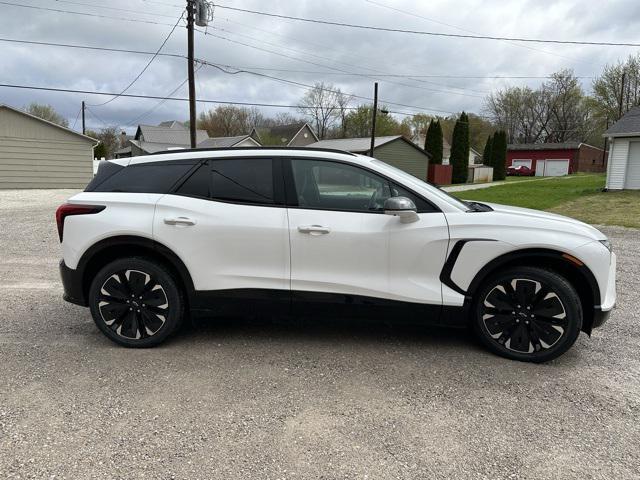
607	244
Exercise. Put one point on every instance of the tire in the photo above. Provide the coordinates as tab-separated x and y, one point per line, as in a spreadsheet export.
135	302
528	314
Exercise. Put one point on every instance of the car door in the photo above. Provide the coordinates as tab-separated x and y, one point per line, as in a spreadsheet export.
343	243
227	222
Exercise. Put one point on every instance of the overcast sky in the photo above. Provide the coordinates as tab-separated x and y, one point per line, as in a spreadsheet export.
321	52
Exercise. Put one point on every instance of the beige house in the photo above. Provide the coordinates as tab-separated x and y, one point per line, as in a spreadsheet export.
394	150
35	153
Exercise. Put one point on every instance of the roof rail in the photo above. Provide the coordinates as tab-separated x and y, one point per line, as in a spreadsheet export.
218	149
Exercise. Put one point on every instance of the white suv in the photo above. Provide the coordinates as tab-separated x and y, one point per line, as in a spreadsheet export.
223	231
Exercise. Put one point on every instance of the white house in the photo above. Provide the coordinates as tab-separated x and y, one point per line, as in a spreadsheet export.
623	169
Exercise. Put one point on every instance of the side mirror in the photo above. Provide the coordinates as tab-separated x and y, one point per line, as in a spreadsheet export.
402	207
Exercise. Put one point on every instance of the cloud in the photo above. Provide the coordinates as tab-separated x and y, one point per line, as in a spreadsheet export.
295	47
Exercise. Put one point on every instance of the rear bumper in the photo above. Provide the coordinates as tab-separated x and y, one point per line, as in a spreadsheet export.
72	284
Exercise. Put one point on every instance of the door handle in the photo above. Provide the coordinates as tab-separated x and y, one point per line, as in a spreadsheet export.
314	229
186	221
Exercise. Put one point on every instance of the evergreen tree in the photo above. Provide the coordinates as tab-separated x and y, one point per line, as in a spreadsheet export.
433	142
487	159
499	155
459	158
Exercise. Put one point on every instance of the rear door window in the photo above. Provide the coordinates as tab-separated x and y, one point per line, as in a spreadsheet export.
243	180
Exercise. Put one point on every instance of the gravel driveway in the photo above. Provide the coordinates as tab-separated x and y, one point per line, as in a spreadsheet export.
276	399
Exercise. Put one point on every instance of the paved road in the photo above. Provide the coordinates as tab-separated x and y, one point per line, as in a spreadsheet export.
267	400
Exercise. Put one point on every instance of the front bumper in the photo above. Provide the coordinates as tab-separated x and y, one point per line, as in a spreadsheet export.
72	284
600	317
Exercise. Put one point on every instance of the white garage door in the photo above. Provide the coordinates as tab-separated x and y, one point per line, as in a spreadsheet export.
517	162
552	168
632	179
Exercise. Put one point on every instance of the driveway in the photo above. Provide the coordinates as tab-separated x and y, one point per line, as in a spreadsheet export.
279	399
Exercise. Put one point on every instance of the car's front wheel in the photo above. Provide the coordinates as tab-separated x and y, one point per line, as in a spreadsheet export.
135	302
528	314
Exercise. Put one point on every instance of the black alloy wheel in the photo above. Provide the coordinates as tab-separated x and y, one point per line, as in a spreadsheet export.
135	302
528	314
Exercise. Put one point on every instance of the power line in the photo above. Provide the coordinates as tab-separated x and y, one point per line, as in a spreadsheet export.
399	75
325	47
117	9
311	72
90	47
372	76
422	32
155	55
85	14
310	87
179	99
413	14
161	102
76	120
302	60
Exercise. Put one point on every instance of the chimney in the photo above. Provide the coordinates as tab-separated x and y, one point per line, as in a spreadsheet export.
123	139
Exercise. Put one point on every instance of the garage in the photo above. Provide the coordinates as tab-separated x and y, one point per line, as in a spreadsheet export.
35	153
552	167
520	162
632	177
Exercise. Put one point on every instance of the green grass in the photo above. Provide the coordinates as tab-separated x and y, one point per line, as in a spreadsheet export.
579	196
605	208
539	194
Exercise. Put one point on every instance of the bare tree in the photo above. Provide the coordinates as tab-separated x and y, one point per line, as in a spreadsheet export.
227	121
324	105
557	111
47	112
109	139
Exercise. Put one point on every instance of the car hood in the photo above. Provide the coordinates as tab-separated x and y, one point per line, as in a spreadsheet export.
548	221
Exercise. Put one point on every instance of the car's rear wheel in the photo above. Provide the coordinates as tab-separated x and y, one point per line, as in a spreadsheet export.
135	302
528	314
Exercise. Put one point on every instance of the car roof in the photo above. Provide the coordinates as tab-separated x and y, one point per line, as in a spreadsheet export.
233	152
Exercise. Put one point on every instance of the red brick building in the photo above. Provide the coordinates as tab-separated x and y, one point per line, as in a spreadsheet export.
555	159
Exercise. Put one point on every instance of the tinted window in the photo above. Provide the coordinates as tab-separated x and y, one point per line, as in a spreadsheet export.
336	186
197	184
105	170
145	178
245	180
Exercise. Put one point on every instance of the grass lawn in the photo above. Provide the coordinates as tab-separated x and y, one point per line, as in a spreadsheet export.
578	196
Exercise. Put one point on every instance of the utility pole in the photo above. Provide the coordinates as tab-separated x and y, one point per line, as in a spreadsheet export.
624	73
373	120
83	126
190	61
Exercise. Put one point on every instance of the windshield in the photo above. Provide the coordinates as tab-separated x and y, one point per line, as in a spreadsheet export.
429	188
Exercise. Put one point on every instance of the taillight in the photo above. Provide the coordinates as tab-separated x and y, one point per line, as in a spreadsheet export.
68	209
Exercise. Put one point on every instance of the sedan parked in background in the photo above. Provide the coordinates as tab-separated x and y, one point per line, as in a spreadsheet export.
520	171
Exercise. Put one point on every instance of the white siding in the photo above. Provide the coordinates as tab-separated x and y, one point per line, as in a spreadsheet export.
632	178
617	167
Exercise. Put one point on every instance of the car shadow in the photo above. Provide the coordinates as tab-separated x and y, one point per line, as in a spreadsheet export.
330	330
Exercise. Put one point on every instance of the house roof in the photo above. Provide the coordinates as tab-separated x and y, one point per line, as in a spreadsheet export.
175	135
123	150
172	124
627	126
153	147
545	146
287	132
355	145
68	130
362	145
214	142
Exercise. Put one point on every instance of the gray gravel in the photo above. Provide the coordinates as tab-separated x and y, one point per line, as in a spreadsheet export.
276	399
